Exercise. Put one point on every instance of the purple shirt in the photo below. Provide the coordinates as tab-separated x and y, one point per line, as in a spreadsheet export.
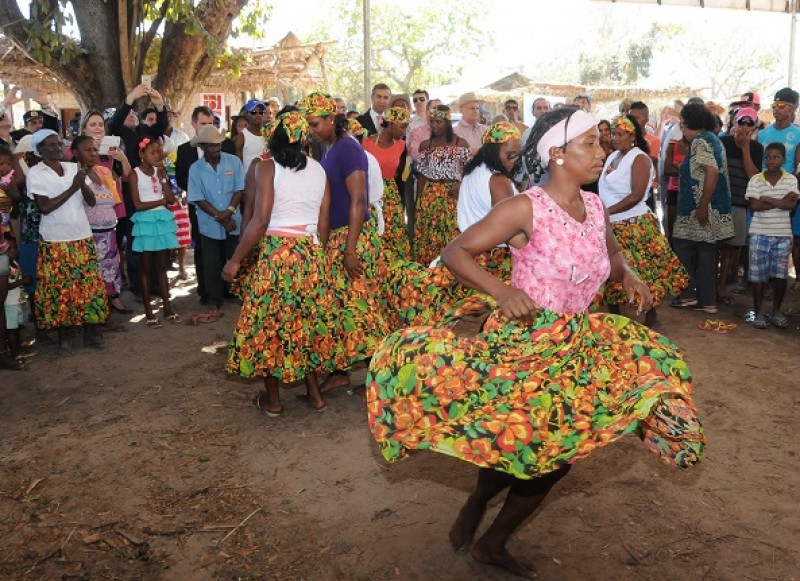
342	159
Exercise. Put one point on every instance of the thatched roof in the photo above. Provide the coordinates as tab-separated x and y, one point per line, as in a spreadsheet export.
290	63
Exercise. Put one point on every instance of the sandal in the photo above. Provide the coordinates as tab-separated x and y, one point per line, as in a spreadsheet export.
679	303
760	323
154	323
304	398
257	402
174	318
777	320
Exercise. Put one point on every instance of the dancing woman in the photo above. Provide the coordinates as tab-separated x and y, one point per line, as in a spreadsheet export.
545	383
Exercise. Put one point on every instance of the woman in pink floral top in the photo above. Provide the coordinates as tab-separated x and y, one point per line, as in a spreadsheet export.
545	383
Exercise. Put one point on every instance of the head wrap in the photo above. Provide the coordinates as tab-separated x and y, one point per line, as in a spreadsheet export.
318	104
40	136
354	127
563	132
294	125
625	124
396	115
440	114
501	132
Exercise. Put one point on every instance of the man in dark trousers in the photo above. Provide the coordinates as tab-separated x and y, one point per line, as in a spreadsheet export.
186	156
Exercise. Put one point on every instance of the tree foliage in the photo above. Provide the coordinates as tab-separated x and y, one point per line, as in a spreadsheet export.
410	49
112	41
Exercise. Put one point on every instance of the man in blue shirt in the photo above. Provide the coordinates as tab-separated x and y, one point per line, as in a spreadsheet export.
216	184
786	132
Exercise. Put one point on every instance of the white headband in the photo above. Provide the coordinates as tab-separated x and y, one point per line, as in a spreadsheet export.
579	122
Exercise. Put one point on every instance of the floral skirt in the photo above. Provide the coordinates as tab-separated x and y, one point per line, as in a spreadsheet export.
105	246
287	324
436	223
395	236
70	291
528	399
362	324
650	256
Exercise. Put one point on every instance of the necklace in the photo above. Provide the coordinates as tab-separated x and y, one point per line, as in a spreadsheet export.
616	161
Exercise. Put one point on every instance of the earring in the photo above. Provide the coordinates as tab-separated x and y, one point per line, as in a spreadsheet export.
560	161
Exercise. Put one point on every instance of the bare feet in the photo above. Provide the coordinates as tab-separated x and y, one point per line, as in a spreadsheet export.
334	381
463	530
502	559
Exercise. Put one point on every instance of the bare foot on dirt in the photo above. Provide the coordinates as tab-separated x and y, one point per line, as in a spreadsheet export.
334	381
462	533
502	559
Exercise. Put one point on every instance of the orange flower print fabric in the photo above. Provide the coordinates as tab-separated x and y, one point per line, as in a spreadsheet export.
526	399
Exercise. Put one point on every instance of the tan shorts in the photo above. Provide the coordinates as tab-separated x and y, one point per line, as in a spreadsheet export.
739	227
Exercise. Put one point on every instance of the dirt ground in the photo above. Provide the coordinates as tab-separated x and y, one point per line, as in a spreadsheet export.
147	462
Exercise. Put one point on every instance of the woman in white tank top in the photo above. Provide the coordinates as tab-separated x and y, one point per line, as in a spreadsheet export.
287	325
623	187
488	181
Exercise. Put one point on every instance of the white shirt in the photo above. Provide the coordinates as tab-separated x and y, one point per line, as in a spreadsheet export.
298	195
253	147
474	197
375	189
68	222
615	185
376	120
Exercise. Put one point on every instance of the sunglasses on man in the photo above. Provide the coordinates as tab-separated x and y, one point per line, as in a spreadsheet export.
746	121
780	105
420	99
258	111
513	107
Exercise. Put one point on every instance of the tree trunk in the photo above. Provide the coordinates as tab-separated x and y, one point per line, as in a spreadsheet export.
186	60
96	76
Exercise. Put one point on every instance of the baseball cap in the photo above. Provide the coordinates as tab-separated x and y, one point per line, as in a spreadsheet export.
34	114
747	112
787	95
752	97
252	104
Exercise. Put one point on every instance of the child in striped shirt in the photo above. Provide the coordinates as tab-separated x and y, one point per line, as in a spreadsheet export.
772	195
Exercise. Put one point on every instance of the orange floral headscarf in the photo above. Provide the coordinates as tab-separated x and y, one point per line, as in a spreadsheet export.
318	104
396	115
501	132
625	124
294	123
354	127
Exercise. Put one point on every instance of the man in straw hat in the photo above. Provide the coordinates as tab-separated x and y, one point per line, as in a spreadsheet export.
470	127
216	185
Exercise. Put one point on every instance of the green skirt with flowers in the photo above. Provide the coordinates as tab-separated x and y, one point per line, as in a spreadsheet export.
436	223
526	399
287	324
71	291
362	324
650	256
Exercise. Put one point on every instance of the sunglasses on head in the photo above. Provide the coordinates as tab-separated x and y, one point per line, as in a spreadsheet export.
419	99
746	121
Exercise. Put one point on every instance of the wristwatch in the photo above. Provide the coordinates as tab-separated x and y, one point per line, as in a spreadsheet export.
231	209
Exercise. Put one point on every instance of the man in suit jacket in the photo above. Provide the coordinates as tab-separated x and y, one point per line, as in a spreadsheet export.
380	101
186	156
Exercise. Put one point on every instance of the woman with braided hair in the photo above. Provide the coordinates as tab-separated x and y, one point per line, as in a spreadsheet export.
545	383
